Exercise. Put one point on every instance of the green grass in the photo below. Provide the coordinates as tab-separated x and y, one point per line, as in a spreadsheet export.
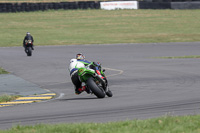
65	27
7	98
168	124
2	71
99	27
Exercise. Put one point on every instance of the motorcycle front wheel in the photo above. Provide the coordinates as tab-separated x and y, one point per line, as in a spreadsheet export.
99	92
109	93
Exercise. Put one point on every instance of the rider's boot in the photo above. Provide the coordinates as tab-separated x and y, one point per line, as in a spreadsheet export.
80	90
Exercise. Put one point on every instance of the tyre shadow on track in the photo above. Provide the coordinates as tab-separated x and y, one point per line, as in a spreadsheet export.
74	99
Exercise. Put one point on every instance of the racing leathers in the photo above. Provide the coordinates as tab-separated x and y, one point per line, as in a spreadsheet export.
75	64
26	38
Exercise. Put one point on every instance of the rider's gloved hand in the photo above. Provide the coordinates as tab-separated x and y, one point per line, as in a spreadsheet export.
97	64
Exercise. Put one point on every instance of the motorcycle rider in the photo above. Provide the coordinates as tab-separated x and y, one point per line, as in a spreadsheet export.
78	63
26	38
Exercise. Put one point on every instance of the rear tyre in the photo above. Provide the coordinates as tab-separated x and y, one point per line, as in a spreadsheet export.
29	51
99	92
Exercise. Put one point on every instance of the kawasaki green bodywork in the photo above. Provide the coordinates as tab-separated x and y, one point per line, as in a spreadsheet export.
85	73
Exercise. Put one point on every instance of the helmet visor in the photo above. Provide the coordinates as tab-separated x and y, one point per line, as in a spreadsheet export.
79	56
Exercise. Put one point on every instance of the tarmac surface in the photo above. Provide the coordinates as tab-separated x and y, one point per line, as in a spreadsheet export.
27	92
143	85
13	85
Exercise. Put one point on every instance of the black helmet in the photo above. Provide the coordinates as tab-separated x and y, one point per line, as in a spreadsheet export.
80	56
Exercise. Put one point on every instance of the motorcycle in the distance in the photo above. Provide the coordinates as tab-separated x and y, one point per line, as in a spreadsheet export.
28	47
94	83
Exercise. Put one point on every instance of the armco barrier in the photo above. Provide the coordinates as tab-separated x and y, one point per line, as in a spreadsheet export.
169	5
30	7
154	5
185	5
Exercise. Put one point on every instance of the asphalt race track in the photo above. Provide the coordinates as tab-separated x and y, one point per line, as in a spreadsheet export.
143	86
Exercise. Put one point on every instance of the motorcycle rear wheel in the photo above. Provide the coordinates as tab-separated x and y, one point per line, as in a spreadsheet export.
28	51
99	92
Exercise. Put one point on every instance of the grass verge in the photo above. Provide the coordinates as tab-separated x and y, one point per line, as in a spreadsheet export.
65	27
7	98
167	124
2	71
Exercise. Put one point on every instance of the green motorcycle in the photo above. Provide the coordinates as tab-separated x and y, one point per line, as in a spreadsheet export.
94	83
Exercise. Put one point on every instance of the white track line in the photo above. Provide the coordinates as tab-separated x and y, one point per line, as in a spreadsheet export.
120	72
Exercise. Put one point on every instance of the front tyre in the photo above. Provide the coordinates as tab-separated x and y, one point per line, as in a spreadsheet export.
99	92
109	93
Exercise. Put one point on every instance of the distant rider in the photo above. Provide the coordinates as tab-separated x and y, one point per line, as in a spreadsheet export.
78	63
26	38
